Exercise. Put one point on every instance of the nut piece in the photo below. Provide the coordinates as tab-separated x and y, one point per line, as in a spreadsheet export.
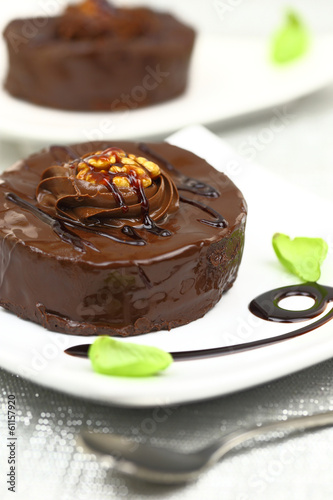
83	173
121	182
82	165
146	182
152	167
117	170
128	161
99	162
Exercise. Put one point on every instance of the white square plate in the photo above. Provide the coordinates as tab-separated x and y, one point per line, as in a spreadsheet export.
274	206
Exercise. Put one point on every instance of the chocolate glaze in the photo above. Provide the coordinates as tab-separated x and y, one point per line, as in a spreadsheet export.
266	307
67	236
66	152
58	226
112	288
129	59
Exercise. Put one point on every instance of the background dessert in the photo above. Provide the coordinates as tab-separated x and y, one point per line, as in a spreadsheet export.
117	239
98	57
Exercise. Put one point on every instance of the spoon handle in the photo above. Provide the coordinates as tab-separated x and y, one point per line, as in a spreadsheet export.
226	443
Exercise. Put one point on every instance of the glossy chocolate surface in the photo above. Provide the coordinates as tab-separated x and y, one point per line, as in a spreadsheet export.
98	58
105	284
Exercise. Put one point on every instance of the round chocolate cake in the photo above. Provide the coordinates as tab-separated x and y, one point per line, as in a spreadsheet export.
117	239
98	57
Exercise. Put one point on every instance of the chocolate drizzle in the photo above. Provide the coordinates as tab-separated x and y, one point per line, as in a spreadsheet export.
219	222
266	307
185	183
130	231
127	230
148	223
116	193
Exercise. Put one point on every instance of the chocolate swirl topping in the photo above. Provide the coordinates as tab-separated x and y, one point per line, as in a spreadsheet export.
109	185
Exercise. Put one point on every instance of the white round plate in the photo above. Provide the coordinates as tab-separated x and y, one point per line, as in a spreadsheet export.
274	205
229	78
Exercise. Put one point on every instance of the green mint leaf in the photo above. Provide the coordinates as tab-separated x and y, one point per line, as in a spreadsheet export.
291	41
113	357
301	256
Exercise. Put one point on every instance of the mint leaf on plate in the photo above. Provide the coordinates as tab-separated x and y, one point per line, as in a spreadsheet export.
301	256
291	41
113	357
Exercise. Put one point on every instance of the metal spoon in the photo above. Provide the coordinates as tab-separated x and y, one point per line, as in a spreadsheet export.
163	465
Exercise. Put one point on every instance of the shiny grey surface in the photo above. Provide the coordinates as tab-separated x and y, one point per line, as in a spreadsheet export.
51	467
163	465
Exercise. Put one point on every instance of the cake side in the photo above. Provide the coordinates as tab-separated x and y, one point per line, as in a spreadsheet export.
127	301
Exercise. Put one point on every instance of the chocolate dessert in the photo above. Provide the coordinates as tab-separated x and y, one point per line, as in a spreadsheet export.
117	238
98	57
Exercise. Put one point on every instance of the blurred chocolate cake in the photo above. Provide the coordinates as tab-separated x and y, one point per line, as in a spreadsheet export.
96	57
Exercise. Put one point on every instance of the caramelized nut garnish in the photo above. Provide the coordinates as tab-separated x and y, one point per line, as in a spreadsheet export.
114	161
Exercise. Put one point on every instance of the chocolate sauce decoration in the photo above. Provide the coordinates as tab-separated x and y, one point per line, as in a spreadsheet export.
264	306
116	193
132	233
219	222
148	224
186	183
127	230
